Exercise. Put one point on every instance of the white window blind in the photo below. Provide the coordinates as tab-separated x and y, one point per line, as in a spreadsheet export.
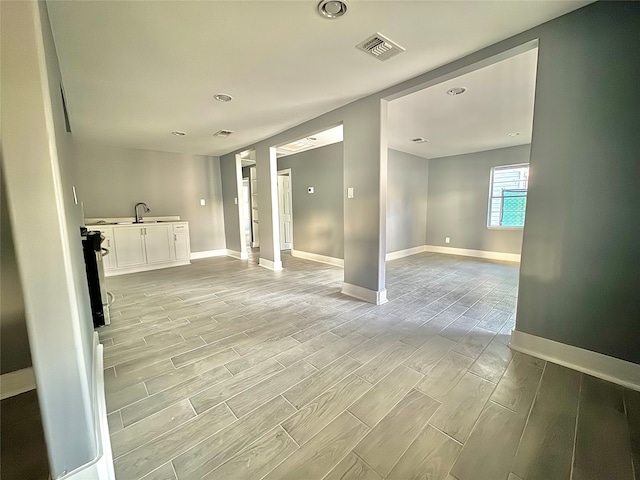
508	196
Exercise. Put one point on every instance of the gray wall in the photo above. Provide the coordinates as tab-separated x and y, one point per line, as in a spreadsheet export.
14	342
111	180
407	177
229	176
38	175
318	218
458	201
579	276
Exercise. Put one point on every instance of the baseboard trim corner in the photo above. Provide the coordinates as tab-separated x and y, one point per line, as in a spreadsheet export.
315	257
208	254
372	296
15	383
270	265
405	253
592	363
506	257
236	254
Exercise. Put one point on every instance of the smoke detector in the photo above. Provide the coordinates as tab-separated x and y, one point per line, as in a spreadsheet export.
222	133
380	47
419	140
332	9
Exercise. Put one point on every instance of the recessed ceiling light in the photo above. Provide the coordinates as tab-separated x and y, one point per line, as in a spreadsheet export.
223	97
178	134
456	91
514	134
332	8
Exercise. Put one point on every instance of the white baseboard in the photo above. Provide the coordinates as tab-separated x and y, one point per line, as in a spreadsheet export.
145	268
508	257
595	364
15	383
405	253
361	293
255	244
101	467
236	254
208	253
337	262
277	266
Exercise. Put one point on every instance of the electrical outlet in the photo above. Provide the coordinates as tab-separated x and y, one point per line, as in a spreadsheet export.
202	202
235	200
447	240
310	190
350	192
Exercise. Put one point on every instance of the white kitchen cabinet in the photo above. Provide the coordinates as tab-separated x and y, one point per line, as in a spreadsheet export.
130	246
147	246
181	239
158	241
109	260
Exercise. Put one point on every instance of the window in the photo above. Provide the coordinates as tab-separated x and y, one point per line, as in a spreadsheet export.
508	196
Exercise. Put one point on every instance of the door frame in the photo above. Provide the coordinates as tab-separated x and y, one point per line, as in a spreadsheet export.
286	172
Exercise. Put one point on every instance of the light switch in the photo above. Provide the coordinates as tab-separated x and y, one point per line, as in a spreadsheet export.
202	202
350	192
310	190
447	240
235	200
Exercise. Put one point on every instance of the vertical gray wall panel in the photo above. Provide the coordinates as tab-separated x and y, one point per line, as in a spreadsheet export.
407	187
459	201
579	276
45	221
318	218
14	341
229	194
111	180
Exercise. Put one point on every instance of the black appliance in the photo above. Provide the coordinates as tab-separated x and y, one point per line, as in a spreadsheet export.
91	246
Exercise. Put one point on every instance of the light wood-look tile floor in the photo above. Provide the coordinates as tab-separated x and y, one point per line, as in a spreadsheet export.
225	370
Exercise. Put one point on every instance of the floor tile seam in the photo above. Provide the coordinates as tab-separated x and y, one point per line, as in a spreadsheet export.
165	433
575	433
524	428
150	354
343	410
413	387
329	387
424	427
173	402
226	427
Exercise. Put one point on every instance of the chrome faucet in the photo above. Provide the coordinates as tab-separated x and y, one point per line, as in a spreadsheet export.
138	216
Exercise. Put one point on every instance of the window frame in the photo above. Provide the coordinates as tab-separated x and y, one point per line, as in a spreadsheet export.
491	197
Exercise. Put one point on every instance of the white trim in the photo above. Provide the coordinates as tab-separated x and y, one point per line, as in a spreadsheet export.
236	254
275	266
208	253
144	268
255	244
361	293
315	257
595	364
101	467
508	257
15	383
405	253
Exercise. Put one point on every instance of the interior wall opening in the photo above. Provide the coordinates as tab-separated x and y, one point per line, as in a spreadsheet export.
458	166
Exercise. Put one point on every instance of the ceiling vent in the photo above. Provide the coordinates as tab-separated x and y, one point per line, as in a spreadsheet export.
222	133
419	140
380	47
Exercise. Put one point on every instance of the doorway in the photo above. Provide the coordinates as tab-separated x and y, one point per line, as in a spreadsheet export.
285	215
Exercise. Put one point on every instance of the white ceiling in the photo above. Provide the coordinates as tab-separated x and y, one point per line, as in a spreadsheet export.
134	71
498	101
